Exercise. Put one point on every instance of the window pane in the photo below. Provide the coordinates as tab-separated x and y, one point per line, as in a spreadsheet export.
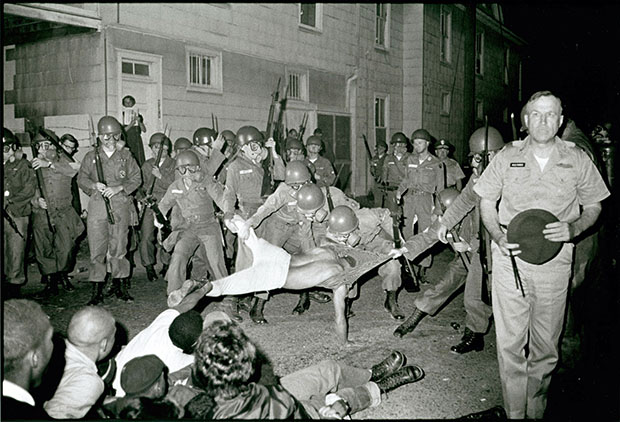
308	14
208	72
380	135
127	68
141	69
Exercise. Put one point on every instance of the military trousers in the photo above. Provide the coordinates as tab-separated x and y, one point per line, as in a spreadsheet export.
534	320
15	250
108	242
147	247
187	244
53	250
477	313
417	206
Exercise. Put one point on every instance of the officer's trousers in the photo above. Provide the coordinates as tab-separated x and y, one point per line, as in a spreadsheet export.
537	317
148	247
477	312
53	250
14	251
108	242
187	243
418	205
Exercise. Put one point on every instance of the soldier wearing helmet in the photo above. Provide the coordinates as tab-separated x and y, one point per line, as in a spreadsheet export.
181	144
294	150
19	189
53	249
322	169
394	168
424	177
133	126
108	242
157	176
194	194
369	229
376	169
207	144
453	173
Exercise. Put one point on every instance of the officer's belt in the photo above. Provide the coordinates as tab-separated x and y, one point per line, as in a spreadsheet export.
200	218
388	188
416	192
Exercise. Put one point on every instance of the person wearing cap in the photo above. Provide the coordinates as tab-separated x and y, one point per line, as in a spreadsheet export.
27	348
208	144
90	338
19	188
453	173
159	176
423	179
376	169
107	242
322	169
133	126
394	169
53	249
546	173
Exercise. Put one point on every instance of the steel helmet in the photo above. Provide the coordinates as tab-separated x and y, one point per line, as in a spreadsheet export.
342	220
381	144
204	136
229	136
476	140
447	196
293	143
9	138
248	134
399	138
186	158
421	134
182	144
310	198
296	172
39	137
314	140
158	138
108	125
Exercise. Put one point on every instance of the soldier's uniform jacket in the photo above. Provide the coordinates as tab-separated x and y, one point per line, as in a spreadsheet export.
375	229
315	230
569	179
210	165
394	170
376	166
244	180
167	176
422	177
283	202
57	179
20	183
120	169
195	203
452	172
324	169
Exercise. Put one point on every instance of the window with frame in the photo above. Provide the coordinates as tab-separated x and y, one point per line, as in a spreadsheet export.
311	15
506	65
381	118
135	68
445	103
382	25
297	85
204	70
479	110
480	53
445	23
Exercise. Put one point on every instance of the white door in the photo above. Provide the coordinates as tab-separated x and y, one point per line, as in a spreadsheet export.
139	75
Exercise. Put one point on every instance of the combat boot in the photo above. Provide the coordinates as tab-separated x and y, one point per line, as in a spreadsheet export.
230	306
245	303
51	287
422	276
387	366
124	290
303	305
405	375
114	289
470	341
150	273
496	413
97	295
410	323
348	304
64	281
256	313
391	305
164	270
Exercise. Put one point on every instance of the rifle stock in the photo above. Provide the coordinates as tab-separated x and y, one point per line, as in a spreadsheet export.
484	290
415	284
100	176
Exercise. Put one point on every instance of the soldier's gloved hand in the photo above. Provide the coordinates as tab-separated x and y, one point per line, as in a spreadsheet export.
271	143
461	246
244	230
42	203
155	172
38	163
219	142
441	234
100	186
157	224
111	191
397	253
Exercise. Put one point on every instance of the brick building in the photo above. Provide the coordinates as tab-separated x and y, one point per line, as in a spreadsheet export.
356	69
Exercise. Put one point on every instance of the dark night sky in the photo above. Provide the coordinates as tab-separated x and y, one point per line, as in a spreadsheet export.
574	51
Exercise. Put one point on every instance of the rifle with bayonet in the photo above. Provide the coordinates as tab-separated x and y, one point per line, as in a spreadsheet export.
409	279
42	188
99	167
302	126
268	184
56	144
214	124
482	234
11	222
150	202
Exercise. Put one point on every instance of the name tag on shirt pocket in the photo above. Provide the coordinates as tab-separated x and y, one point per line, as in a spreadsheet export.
177	191
415	166
248	171
517	164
